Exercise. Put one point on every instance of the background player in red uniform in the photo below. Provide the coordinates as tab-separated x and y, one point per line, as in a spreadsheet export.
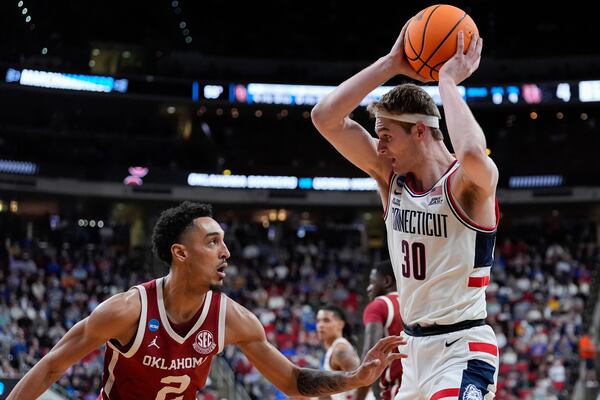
381	318
149	357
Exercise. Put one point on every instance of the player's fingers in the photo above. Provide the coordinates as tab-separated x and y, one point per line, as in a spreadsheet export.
475	65
391	343
479	46
373	363
383	344
389	339
404	27
473	44
460	43
399	45
396	356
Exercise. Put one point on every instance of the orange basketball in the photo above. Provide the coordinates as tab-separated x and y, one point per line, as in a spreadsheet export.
430	38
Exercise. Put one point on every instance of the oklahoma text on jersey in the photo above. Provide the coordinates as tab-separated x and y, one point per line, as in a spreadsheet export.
160	362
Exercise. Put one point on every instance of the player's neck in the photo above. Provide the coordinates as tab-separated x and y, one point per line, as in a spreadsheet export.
181	301
430	168
328	342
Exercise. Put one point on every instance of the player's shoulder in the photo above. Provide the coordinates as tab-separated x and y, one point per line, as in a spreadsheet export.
461	181
121	305
118	314
241	324
343	350
129	301
237	311
378	302
342	345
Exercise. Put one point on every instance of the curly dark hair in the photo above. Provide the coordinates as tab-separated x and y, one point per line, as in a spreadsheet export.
172	223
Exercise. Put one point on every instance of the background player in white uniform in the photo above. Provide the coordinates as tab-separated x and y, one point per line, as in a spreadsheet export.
333	330
441	217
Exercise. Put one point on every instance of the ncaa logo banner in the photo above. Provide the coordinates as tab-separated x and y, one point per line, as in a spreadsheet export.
153	325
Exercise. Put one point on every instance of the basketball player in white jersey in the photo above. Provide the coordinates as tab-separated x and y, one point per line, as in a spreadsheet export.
440	212
333	330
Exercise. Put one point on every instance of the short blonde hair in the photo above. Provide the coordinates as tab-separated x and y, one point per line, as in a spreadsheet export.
408	99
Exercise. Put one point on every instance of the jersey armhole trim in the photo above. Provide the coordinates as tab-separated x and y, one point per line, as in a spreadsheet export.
390	315
386	206
141	325
459	213
222	315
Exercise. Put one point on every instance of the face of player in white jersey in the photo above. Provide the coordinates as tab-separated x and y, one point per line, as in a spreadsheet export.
397	145
329	326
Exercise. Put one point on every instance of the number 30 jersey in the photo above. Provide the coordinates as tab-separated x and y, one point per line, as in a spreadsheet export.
160	364
441	259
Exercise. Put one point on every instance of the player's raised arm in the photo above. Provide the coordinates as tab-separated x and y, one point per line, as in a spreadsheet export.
245	331
117	318
331	115
465	133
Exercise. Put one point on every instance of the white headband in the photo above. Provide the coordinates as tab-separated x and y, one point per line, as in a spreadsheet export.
430	120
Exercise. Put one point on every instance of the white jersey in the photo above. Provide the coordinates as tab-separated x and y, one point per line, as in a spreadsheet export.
441	259
349	395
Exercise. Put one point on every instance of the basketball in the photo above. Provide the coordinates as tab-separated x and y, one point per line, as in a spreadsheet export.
430	38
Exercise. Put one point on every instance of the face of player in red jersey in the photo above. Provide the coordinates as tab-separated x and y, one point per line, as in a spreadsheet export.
376	285
329	326
206	252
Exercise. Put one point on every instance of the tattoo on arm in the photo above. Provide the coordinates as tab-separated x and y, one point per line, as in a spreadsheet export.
311	382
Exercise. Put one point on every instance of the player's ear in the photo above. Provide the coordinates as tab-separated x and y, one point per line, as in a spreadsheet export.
178	252
387	280
420	129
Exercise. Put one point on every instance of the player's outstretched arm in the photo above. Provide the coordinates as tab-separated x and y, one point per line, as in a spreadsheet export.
465	133
244	330
114	318
331	115
373	332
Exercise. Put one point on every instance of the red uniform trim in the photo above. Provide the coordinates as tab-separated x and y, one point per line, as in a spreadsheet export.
479	281
483	347
445	393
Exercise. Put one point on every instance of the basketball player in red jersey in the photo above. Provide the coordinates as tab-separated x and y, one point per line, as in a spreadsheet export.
440	212
161	336
381	318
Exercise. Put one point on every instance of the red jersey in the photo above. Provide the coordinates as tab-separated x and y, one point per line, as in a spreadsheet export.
159	363
386	311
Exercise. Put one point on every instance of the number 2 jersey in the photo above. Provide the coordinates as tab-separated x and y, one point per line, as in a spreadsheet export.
159	363
441	259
